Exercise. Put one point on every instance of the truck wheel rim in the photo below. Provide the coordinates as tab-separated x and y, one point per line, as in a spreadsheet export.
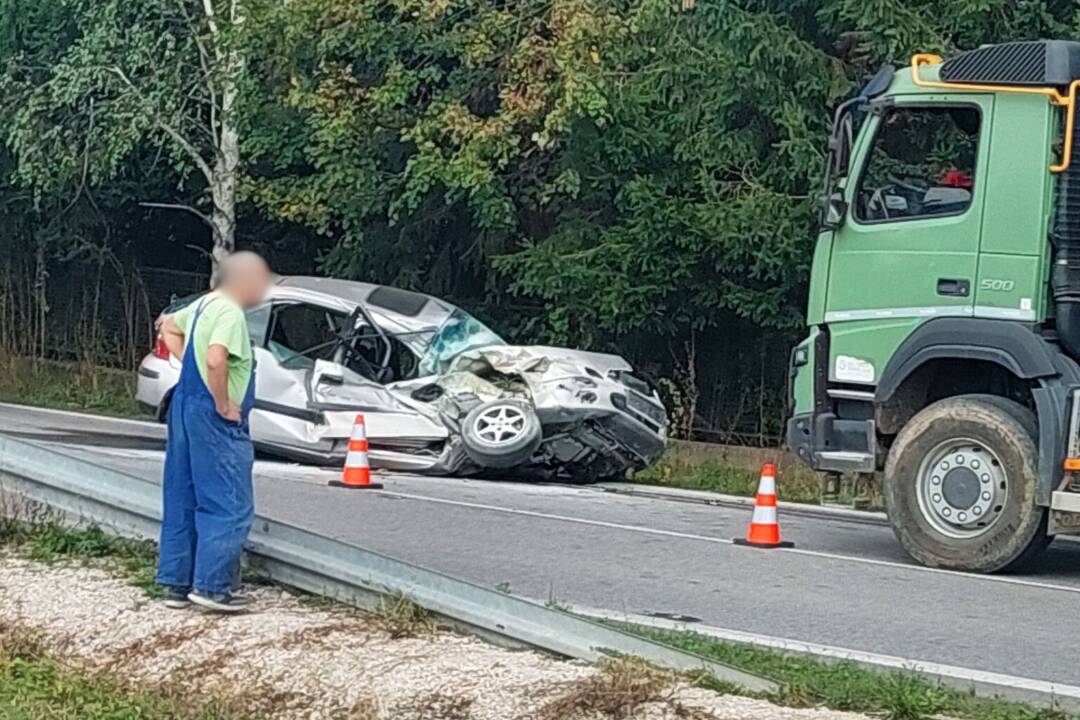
499	425
962	488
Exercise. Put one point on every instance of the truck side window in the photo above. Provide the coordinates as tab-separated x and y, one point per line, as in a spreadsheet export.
922	164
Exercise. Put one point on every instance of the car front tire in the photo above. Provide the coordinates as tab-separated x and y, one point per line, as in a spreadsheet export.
501	434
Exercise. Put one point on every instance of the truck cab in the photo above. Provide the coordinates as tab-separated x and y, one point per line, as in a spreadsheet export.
944	308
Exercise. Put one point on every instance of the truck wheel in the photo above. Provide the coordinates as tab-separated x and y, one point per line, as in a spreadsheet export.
501	433
960	485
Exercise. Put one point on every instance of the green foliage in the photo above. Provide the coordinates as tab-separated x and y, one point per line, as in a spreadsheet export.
639	169
83	100
614	160
38	687
728	479
633	175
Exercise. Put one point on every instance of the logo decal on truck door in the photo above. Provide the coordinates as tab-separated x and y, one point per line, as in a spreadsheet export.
853	369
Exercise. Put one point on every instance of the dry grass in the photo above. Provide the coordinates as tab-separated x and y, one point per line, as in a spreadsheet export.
20	643
365	708
42	686
322	635
146	648
439	706
618	691
20	516
400	617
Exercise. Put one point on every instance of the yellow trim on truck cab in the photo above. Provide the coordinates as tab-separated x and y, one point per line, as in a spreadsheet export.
1067	101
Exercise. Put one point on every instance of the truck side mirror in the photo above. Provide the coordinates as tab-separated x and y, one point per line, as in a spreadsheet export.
880	83
835	211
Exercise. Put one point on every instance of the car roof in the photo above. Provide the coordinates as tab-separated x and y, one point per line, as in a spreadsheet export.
409	309
355	292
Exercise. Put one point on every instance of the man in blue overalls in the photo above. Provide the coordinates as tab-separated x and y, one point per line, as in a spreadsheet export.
208	500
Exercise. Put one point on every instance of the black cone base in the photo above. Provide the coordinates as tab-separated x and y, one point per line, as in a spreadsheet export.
764	546
369	486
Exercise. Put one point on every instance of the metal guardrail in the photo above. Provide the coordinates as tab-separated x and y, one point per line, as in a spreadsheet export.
131	506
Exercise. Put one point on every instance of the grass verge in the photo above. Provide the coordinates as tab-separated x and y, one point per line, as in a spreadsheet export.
37	686
68	386
845	686
712	476
34	685
794	483
46	540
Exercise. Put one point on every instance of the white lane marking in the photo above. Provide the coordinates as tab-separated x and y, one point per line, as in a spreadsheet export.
563	518
80	415
724	541
891	662
264	469
705	497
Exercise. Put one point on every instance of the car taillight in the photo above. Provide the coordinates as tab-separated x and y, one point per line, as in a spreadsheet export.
161	350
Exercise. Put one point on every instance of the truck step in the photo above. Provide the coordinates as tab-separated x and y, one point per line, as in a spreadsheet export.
846	461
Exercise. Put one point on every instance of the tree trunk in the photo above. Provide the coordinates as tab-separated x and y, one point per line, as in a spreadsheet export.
686	380
223	223
223	185
227	155
691	391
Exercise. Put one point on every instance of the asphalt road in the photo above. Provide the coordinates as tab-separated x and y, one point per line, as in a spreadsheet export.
847	583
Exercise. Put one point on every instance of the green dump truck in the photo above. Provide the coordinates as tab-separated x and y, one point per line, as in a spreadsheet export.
944	309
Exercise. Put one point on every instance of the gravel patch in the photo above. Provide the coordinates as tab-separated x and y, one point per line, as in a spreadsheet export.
294	660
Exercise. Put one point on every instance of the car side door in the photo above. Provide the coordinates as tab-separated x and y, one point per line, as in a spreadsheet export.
295	337
311	383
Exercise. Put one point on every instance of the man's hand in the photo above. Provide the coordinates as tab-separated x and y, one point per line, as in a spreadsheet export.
230	411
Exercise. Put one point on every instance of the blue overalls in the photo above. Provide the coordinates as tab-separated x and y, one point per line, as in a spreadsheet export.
208	499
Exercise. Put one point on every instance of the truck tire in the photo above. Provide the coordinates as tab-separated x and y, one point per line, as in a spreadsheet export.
960	485
501	434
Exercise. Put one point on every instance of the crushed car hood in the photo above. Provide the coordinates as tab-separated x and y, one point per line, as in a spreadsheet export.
534	358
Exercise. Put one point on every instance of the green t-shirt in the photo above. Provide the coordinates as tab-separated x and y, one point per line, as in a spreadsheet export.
222	322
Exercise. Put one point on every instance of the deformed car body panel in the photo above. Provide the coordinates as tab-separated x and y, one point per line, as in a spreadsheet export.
597	419
576	395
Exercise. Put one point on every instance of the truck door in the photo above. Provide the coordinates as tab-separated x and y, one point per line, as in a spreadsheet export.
908	247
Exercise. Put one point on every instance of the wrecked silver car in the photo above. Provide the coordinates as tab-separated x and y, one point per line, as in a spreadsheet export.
440	392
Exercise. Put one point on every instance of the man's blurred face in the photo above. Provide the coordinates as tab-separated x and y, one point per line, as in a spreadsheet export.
246	279
252	287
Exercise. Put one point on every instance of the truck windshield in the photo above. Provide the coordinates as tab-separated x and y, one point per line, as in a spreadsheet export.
459	333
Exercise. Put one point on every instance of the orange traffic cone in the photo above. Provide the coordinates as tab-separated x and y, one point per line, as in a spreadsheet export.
764	529
357	473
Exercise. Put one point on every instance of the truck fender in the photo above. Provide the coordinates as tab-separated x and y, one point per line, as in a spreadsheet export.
1018	348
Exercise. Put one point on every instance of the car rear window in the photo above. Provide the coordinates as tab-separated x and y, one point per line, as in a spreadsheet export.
402	302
